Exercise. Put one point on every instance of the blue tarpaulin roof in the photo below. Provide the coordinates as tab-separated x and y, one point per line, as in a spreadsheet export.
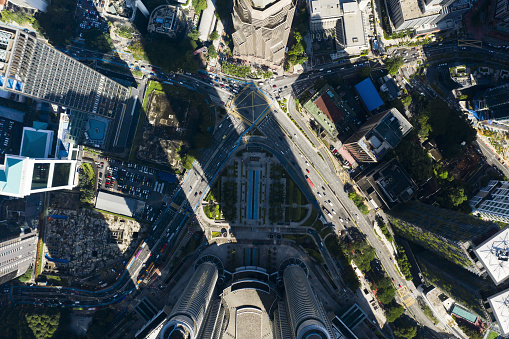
369	94
171	178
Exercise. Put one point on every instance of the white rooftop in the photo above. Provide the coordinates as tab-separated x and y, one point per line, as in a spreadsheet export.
494	255
323	9
500	305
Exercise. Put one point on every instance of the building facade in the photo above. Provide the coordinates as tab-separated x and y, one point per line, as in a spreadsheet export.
17	253
381	133
411	14
492	201
30	67
450	234
262	28
306	315
189	313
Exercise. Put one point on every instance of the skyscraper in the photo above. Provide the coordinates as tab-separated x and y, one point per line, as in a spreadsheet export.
492	201
17	252
262	28
452	235
30	67
306	316
187	316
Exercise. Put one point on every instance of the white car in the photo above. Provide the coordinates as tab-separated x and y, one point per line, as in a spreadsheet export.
334	212
319	194
330	203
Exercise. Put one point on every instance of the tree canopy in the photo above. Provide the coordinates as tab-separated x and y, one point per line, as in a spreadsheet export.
199	6
393	64
393	311
213	36
98	40
414	159
405	329
86	183
58	22
212	52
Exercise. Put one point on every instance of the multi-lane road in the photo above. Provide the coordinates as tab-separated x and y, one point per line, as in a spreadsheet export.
303	157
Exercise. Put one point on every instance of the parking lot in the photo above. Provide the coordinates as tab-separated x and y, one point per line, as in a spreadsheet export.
10	136
87	13
136	181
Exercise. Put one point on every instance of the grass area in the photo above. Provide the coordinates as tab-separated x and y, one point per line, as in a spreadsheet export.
325	232
317	226
136	72
152	86
39	258
212	212
294	196
312	218
492	335
429	313
216	234
115	214
26	277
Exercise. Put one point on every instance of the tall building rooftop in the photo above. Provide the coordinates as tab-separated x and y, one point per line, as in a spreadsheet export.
30	67
494	255
500	306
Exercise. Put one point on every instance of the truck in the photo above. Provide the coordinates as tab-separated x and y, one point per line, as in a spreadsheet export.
309	181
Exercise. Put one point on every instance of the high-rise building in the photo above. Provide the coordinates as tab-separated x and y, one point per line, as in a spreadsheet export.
307	318
39	167
33	5
344	18
492	104
452	235
17	252
381	133
492	201
262	28
249	307
189	313
411	14
30	67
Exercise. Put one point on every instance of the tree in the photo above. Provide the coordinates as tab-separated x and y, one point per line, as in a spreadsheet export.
393	64
405	329
414	159
393	311
194	34
214	36
58	23
365	72
407	100
199	6
423	126
212	52
98	40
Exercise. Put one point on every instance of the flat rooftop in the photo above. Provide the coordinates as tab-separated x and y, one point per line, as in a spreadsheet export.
500	306
369	94
494	255
393	127
117	204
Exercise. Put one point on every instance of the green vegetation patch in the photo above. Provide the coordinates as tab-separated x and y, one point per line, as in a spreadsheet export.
357	200
29	321
86	183
335	249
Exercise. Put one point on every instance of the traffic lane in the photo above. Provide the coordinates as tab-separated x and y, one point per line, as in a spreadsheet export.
492	157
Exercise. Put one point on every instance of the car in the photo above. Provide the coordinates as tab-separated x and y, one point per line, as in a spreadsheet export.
399	285
307	170
330	203
273	86
392	279
318	193
334	212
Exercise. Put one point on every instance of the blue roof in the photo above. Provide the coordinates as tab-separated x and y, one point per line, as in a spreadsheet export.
369	94
34	144
10	177
171	178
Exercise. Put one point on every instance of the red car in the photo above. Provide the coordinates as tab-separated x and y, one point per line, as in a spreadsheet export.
307	170
392	279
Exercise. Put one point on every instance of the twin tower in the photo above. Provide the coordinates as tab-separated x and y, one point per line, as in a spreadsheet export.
303	318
